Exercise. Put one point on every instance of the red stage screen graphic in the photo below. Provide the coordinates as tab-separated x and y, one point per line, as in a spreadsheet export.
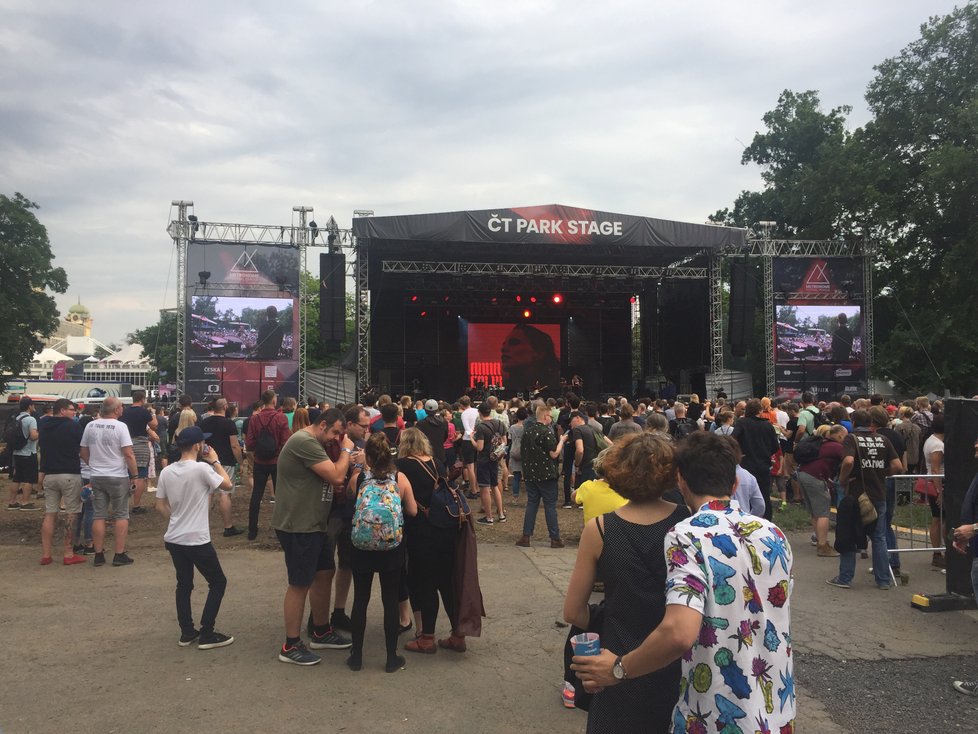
517	357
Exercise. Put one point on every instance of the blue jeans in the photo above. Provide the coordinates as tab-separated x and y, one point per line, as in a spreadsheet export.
881	567
584	475
547	491
517	477
83	521
974	577
891	541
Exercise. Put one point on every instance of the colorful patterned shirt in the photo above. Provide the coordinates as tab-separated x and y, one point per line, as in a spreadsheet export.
735	569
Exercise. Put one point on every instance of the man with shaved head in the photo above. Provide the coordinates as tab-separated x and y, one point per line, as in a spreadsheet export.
106	448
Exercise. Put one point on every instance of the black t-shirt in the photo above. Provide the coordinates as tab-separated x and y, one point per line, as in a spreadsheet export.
393	434
873	453
221	430
484	431
137	418
586	434
607	421
422	485
899	445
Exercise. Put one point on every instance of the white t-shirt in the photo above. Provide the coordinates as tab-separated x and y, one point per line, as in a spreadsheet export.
932	444
782	418
470	416
187	486
105	438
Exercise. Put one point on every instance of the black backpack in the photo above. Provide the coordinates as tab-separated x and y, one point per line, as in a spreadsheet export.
685	427
266	445
806	450
818	418
14	435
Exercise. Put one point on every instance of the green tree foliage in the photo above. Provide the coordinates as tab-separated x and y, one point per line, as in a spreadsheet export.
160	345
319	354
26	275
908	180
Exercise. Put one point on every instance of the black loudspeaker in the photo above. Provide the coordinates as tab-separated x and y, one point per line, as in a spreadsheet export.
743	299
332	297
960	467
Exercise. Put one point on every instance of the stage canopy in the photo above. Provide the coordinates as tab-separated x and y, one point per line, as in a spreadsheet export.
548	225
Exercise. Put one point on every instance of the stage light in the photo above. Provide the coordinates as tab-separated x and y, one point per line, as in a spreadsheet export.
446	298
204	276
414	299
558	299
533	299
493	299
423	314
519	298
633	299
527	314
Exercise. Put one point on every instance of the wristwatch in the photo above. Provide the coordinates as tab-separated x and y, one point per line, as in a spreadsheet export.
618	670
347	450
213	463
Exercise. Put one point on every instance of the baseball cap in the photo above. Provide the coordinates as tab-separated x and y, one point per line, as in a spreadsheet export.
191	435
431	406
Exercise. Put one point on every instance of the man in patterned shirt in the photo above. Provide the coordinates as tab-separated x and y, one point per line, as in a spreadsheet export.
728	613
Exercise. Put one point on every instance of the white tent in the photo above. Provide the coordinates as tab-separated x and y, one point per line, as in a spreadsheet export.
129	354
50	356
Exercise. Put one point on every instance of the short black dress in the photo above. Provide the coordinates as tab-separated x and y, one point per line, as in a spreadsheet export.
633	567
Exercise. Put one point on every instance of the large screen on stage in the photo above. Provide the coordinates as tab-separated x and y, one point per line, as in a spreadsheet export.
242	328
518	357
819	334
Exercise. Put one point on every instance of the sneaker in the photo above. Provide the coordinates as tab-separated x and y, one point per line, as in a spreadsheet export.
567	696
77	549
187	640
340	620
232	531
214	639
405	628
395	664
484	521
501	518
967	687
121	559
298	655
839	584
329	640
13	506
99	559
139	510
74	560
883	587
567	506
814	540
354	663
252	534
89	550
46	561
29	507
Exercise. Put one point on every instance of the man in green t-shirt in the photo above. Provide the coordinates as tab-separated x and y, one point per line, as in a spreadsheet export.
303	497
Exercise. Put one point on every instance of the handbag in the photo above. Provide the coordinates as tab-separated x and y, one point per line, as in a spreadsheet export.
448	507
925	487
867	510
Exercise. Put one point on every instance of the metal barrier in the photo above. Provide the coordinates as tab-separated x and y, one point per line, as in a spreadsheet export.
904	486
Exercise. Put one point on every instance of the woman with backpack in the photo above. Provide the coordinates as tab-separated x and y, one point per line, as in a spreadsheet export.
430	549
819	458
383	497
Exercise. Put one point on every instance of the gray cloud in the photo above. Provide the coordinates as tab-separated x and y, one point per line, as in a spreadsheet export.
111	110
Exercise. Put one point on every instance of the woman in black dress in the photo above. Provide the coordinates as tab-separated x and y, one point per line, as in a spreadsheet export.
431	550
624	549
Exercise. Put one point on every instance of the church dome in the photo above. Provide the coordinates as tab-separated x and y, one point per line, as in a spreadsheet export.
79	309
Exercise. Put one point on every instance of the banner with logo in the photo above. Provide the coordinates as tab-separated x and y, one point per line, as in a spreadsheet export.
818	327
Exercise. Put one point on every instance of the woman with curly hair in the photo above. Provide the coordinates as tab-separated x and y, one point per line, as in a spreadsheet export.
625	549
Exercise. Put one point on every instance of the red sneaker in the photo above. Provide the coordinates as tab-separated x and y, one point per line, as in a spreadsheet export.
74	560
46	561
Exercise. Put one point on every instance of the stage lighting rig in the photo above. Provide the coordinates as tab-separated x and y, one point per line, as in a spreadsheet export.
204	276
557	298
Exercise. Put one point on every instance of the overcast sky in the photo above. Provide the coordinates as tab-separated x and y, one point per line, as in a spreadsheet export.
109	110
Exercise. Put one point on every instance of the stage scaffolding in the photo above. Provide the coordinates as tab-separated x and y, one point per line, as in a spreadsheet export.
186	228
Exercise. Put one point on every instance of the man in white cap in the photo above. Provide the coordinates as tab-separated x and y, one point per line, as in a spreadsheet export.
435	427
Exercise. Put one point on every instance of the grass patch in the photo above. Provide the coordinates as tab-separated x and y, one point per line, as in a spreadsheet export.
791	518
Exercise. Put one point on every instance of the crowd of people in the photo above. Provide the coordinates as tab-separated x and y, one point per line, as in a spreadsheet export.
677	499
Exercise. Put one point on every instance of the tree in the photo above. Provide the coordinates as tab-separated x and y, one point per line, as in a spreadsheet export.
26	275
159	343
906	181
318	354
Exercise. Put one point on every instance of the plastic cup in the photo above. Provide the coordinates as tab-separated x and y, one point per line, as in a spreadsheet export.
586	643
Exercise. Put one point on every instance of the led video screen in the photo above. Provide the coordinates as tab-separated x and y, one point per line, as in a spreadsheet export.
831	334
515	357
242	328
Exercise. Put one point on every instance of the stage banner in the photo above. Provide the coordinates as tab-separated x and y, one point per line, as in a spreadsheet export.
242	321
550	224
818	323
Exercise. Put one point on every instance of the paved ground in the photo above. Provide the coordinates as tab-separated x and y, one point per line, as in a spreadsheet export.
93	650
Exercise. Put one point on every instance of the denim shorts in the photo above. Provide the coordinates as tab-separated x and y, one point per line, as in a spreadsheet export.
111	492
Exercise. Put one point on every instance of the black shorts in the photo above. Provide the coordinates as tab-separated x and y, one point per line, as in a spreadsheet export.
25	469
935	509
466	452
487	473
305	554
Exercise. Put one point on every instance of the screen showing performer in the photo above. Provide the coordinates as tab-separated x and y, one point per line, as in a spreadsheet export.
518	357
242	328
819	334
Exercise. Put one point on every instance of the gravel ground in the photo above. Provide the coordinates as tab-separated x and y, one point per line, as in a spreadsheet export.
893	696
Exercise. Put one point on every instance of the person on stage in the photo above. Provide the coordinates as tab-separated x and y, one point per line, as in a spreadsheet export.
528	358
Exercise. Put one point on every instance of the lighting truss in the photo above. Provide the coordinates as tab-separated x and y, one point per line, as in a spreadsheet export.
423	267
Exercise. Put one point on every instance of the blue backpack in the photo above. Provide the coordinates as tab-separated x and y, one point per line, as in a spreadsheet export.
378	519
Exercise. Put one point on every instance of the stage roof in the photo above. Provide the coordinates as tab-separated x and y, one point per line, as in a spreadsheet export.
549	224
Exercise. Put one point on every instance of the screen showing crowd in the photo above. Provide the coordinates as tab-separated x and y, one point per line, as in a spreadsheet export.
516	357
819	333
242	328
